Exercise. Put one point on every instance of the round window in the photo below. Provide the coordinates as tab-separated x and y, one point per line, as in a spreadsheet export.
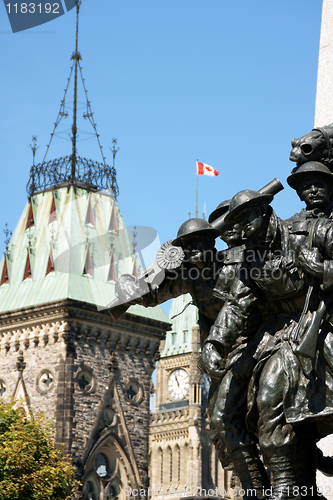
89	491
112	492
134	391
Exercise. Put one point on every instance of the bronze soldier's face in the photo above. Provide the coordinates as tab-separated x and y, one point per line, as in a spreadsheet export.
233	235
198	251
250	220
315	191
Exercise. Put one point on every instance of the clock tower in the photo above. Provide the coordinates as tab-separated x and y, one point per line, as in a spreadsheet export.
183	462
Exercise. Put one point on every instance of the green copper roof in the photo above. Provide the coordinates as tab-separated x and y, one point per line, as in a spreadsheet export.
179	339
76	251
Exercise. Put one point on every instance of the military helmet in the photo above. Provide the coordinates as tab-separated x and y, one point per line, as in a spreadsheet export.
243	198
194	227
311	167
221	209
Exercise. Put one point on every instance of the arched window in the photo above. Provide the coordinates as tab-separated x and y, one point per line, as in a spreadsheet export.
160	467
101	465
176	466
108	473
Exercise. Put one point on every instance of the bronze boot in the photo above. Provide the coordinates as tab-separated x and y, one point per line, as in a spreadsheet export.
251	472
283	476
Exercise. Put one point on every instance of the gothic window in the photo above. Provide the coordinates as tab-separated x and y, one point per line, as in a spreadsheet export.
101	465
134	391
185	458
90	491
112	271
135	270
112	492
88	267
177	464
4	274
50	263
185	336
90	214
30	220
45	381
27	269
113	224
108	470
53	211
169	466
160	466
84	381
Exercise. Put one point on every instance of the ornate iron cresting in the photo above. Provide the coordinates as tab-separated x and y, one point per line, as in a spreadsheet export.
88	174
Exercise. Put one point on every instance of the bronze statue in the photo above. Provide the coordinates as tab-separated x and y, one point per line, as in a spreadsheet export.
265	319
316	145
289	398
203	273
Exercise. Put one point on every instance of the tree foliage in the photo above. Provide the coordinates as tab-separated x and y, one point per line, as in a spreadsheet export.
31	466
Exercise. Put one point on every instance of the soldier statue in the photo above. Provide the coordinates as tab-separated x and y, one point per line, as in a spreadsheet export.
266	327
291	387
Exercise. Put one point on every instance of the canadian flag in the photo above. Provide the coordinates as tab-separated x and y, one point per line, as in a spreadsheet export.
204	169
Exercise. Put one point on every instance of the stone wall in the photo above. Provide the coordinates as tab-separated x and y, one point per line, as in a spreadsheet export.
90	376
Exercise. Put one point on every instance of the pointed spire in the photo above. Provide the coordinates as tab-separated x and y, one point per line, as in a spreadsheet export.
34	148
30	220
73	169
50	263
114	151
76	56
88	268
53	211
113	226
27	269
4	274
112	271
90	214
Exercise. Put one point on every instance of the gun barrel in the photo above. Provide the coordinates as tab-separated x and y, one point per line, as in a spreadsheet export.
273	187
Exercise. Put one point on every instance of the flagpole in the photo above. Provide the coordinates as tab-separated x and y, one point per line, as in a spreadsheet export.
196	195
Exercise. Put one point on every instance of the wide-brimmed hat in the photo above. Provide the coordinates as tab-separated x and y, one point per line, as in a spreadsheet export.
311	167
241	200
193	227
221	209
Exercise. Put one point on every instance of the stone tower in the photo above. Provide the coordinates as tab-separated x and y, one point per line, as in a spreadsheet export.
59	350
182	460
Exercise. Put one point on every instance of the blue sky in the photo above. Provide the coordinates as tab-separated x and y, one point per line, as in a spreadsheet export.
229	83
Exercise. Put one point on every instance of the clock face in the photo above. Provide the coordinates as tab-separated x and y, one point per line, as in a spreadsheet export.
178	384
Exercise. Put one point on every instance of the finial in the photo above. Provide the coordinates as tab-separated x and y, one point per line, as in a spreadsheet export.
34	148
114	150
8	235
